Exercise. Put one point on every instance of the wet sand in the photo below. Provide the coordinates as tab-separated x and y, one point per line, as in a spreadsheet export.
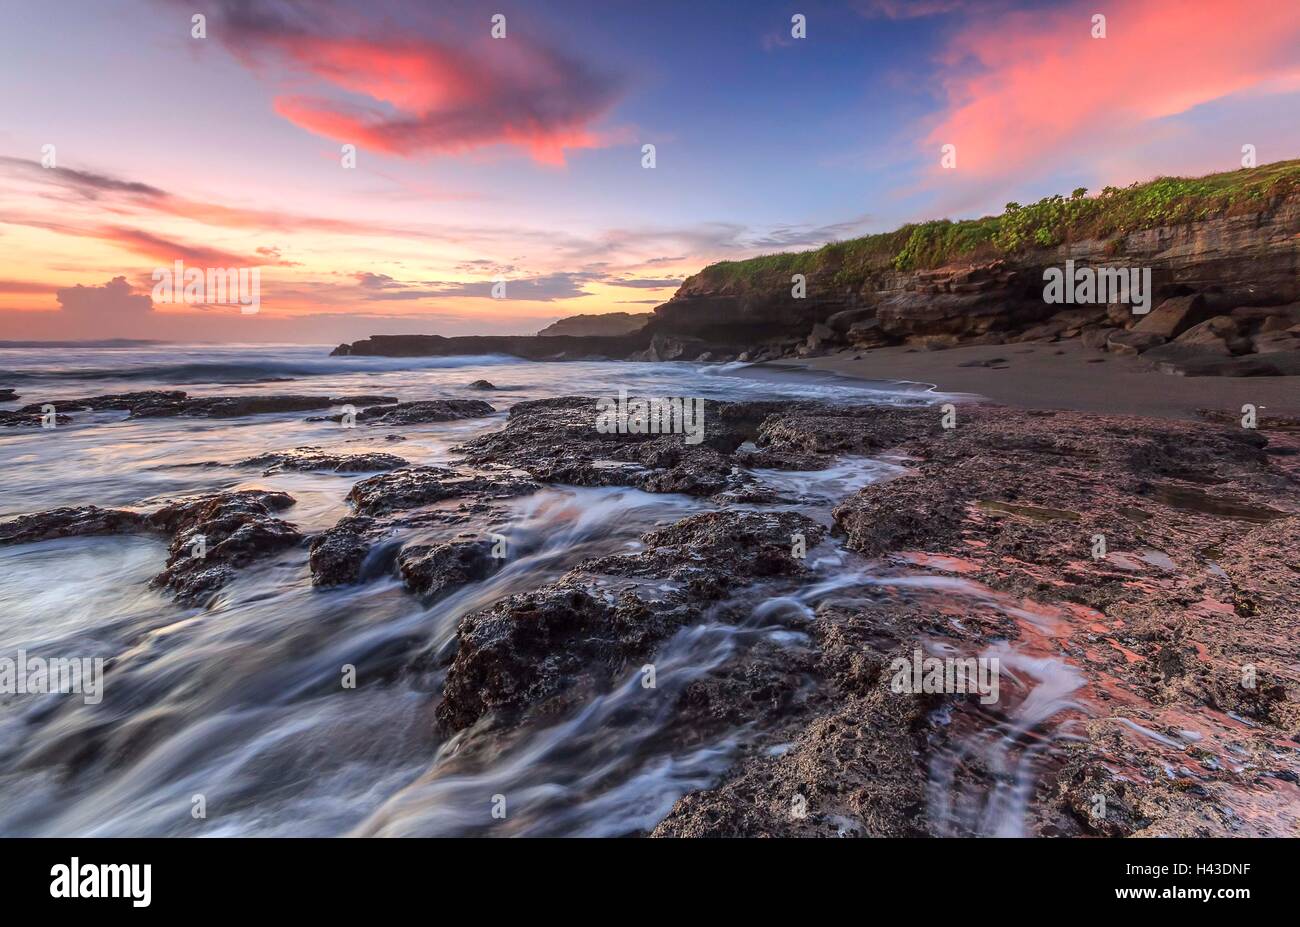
1066	375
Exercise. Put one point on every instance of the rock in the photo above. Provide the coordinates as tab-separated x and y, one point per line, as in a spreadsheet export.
561	642
841	322
21	419
821	337
1260	314
435	570
431	410
867	334
313	458
530	347
1133	342
212	535
1175	316
1192	361
1095	338
1274	342
336	556
8	395
1044	331
1276	323
482	384
934	342
75	521
1211	335
609	323
125	402
163	403
413	487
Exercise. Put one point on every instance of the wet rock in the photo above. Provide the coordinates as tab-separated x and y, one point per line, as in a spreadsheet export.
413	487
124	402
8	395
482	384
77	521
213	535
21	419
557	441
540	650
336	556
435	570
432	410
313	458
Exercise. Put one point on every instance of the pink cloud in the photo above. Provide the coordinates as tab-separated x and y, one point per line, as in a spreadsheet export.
409	95
1025	88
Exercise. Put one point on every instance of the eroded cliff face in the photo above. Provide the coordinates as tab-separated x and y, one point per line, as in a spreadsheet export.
1241	260
1241	269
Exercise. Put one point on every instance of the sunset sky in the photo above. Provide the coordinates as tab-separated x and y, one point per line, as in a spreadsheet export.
521	157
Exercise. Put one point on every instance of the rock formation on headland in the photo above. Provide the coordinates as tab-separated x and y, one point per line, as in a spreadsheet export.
611	323
1223	253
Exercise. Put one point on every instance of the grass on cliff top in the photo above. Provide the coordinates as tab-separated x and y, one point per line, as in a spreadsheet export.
1050	222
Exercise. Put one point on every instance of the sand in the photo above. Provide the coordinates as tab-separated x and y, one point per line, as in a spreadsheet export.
1066	375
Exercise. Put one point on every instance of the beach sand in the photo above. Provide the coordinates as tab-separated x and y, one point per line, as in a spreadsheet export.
1066	375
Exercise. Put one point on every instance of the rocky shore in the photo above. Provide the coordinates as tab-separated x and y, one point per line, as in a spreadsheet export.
1222	254
1137	578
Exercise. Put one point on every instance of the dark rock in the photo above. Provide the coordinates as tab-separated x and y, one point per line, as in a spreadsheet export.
431	410
8	395
336	556
78	521
435	570
530	347
212	535
482	384
561	642
21	419
609	323
164	403
413	487
313	458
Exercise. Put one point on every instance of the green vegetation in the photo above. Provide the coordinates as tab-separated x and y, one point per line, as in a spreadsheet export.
1049	222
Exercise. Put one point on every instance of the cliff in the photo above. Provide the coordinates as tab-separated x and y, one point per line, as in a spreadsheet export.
1230	242
1233	239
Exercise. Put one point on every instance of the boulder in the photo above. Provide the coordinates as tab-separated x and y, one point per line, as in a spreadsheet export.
1133	342
1175	316
1273	342
843	321
867	334
1095	338
435	570
1211	335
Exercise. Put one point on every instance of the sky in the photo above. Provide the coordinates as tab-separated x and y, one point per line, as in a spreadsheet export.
515	165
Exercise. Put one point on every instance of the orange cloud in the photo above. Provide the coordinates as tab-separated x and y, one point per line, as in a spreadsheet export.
1024	87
